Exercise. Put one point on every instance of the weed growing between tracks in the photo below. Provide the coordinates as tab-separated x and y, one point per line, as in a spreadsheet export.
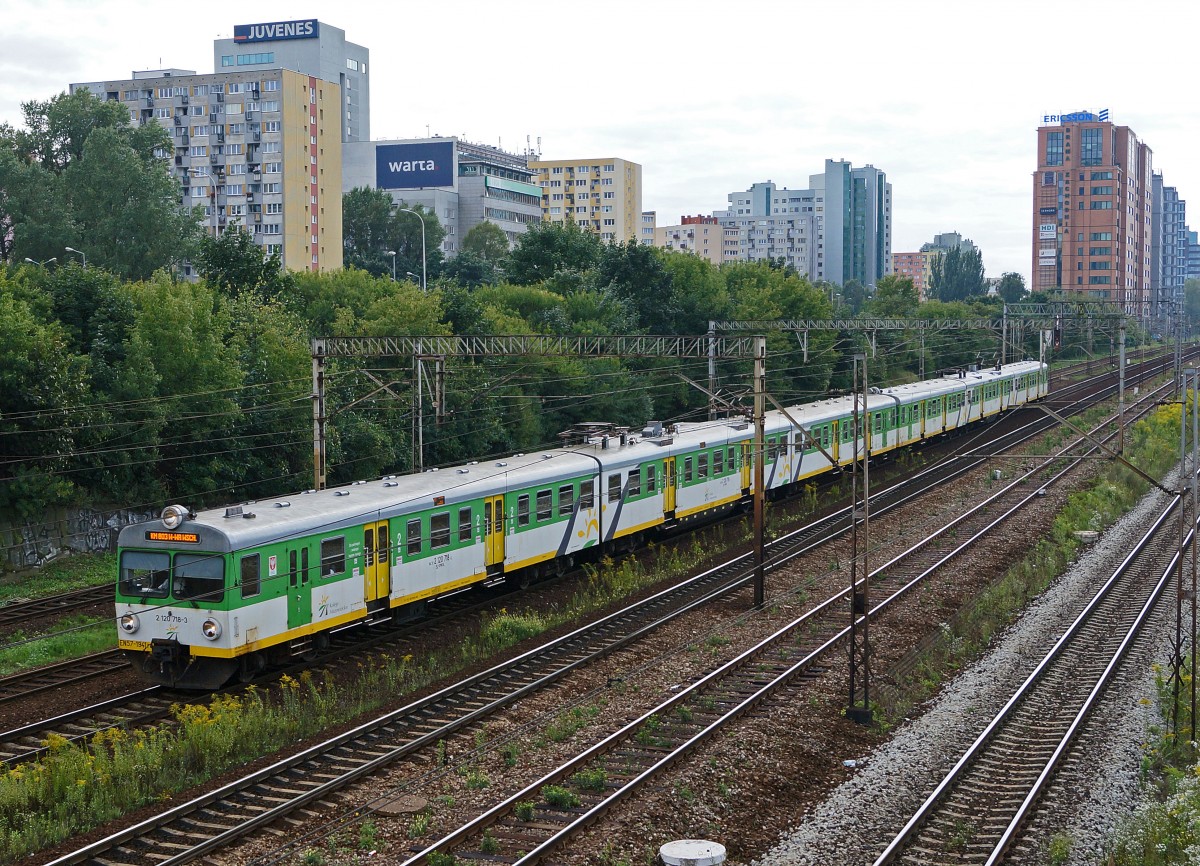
1153	445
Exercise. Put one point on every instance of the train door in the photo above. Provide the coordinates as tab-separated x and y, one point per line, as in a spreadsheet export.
493	530
377	556
299	594
746	465
835	437
669	488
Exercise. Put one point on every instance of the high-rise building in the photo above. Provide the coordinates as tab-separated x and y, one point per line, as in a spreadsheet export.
312	48
463	183
839	229
1092	212
601	195
1169	242
858	222
249	147
1193	257
947	241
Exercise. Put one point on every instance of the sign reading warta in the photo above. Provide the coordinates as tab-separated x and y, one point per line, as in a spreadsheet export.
306	29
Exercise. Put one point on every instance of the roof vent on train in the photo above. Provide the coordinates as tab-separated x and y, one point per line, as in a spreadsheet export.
653	429
283	504
233	511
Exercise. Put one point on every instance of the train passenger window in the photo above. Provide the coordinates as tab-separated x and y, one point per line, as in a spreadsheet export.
718	462
465	526
687	470
587	494
635	482
729	458
251	584
412	530
702	468
614	487
545	505
566	504
145	574
439	530
878	421
523	510
825	436
333	556
200	576
651	478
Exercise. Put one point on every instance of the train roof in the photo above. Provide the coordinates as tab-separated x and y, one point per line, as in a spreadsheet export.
300	514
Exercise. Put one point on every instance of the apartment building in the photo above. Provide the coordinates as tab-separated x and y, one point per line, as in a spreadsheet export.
916	266
260	148
603	196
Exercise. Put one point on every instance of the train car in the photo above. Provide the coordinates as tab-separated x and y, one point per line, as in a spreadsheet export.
205	597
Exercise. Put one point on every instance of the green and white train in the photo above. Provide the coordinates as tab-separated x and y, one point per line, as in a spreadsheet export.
205	597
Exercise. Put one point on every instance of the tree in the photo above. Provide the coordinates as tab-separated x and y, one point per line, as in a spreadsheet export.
1191	301
635	273
81	175
469	269
547	248
895	297
234	264
127	207
488	241
957	274
373	226
1011	288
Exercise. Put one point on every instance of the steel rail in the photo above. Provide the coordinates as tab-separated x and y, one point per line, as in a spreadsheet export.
894	849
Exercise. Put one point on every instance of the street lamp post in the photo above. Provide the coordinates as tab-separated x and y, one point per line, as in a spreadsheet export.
42	263
424	273
78	253
392	253
416	277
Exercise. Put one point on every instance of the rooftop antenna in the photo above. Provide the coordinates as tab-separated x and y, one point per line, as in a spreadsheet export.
427	130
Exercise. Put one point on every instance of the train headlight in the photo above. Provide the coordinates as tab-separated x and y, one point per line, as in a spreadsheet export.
173	515
129	623
211	629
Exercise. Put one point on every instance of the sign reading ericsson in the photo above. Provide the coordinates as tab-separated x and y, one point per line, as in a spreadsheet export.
306	29
409	166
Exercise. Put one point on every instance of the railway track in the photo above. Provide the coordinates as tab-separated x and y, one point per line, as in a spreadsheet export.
42	608
976	813
211	821
138	708
541	819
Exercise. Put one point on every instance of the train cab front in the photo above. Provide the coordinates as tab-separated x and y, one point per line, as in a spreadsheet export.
170	594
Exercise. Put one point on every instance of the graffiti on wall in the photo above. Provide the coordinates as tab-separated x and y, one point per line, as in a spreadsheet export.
80	530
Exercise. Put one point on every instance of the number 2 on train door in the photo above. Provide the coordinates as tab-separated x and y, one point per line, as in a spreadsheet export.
493	530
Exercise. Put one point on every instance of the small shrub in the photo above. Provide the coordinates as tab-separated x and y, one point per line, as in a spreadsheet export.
368	835
488	844
437	858
523	810
559	797
510	753
313	857
419	826
685	714
590	780
477	780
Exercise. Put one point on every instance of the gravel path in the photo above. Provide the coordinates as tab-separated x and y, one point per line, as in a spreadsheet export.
1101	784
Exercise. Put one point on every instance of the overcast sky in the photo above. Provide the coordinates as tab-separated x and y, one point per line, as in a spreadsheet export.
710	97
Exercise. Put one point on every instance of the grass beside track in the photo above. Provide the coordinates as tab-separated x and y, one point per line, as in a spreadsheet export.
68	638
1153	445
78	571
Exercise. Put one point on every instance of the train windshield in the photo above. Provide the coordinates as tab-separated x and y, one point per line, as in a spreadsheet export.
145	574
200	576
